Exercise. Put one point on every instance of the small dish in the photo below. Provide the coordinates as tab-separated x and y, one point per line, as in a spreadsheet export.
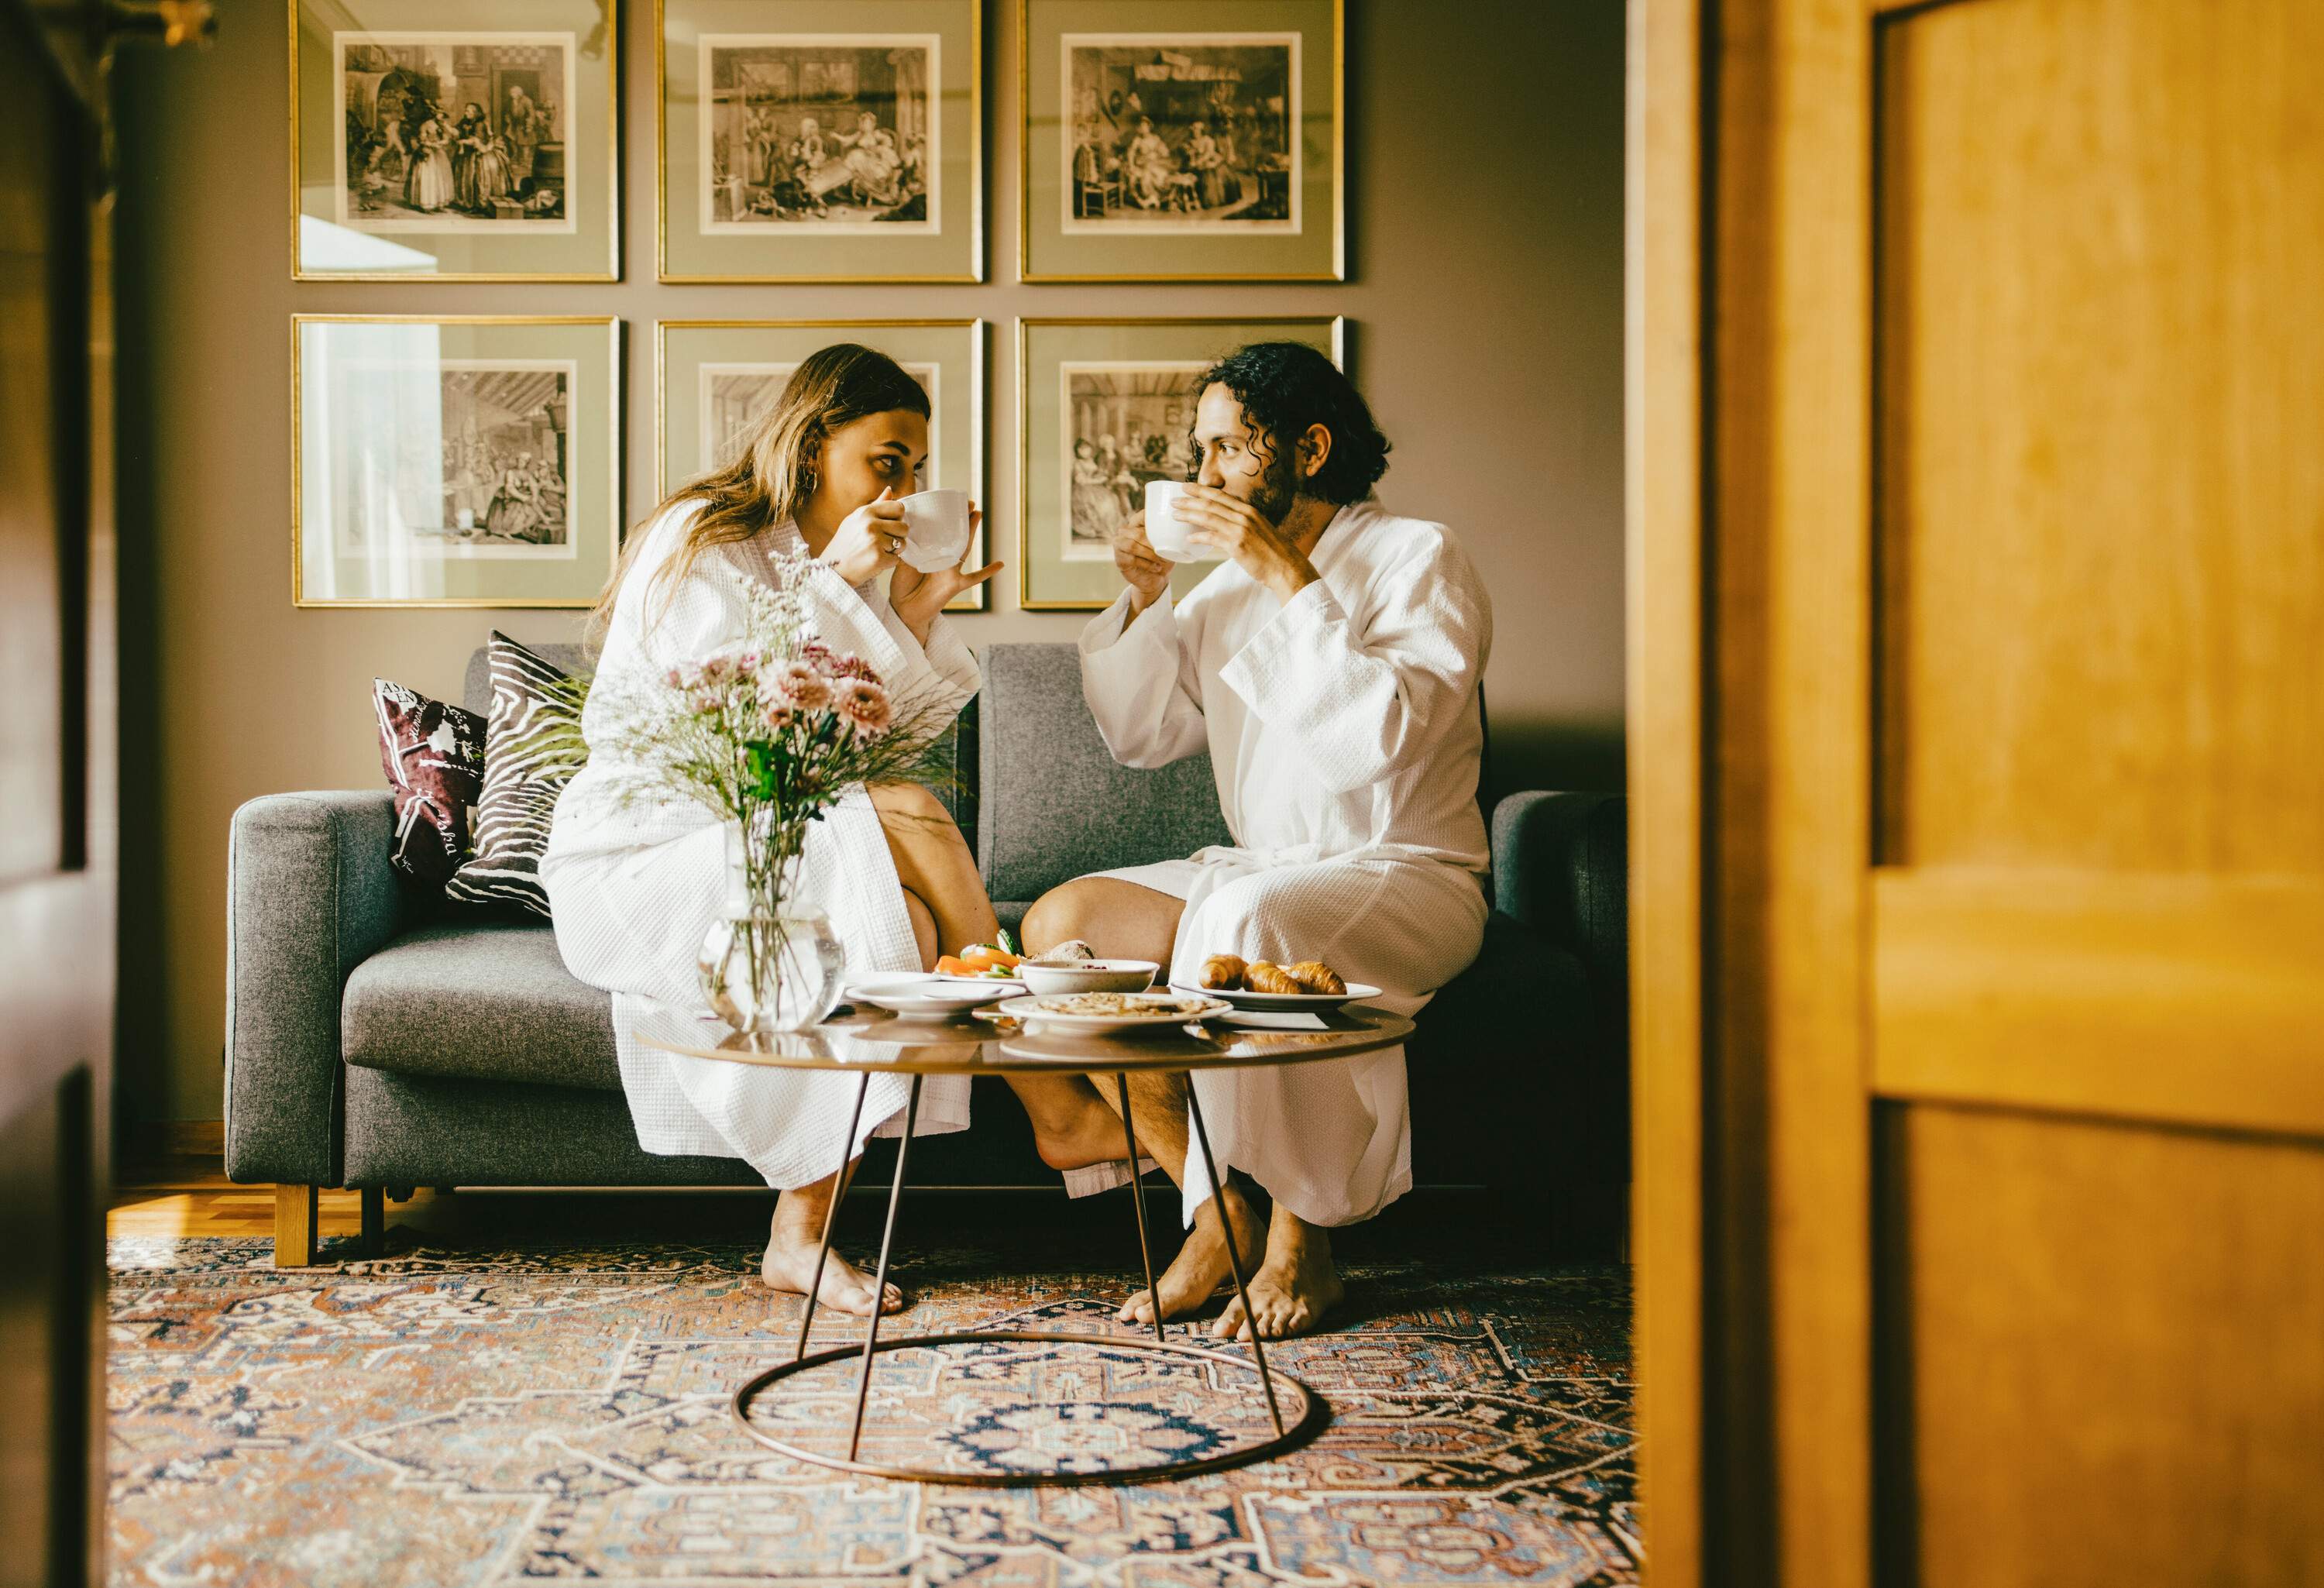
915	992
1161	1008
1088	975
1312	1001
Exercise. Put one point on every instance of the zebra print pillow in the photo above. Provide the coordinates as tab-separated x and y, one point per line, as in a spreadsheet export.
532	748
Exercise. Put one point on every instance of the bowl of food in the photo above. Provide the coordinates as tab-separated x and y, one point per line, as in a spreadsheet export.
1051	975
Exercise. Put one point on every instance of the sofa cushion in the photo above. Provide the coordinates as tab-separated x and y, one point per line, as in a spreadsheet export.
433	753
1052	802
486	998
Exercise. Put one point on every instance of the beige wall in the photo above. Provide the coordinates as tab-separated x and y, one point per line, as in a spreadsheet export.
1484	161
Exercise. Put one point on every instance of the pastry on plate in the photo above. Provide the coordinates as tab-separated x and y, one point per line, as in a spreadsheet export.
1222	972
1314	977
1259	976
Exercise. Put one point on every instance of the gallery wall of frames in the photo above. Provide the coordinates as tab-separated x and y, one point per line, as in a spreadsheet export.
461	459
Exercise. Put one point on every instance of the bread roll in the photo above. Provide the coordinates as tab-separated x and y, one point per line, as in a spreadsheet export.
1259	976
1222	972
1314	977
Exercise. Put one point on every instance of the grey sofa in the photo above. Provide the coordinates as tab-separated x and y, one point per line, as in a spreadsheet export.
379	1039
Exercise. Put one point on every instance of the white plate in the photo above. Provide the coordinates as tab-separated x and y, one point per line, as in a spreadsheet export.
1356	993
1030	1010
917	992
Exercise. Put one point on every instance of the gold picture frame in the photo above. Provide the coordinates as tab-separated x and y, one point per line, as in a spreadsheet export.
959	402
303	269
1146	253
963	174
471	545
1155	343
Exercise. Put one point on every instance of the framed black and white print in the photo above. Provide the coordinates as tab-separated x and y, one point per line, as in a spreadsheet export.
714	379
426	147
1181	140
1105	407
464	460
820	140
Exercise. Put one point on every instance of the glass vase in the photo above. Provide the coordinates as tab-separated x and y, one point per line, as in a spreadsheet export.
766	967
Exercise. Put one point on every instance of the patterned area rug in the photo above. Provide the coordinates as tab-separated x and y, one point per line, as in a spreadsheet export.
440	1418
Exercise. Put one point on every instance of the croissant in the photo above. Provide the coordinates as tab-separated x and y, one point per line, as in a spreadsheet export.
1262	977
1314	977
1222	972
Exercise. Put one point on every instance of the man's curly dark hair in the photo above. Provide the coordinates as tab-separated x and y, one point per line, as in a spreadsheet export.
1284	387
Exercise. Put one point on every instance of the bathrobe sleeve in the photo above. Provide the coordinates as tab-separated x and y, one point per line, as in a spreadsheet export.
1370	694
945	670
1139	678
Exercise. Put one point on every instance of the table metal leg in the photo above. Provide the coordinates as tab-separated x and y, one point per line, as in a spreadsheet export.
880	1285
1138	1198
1234	1258
831	1214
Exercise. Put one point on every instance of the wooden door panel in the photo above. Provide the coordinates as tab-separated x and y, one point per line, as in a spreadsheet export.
2101	364
2103	1356
1989	820
2174	997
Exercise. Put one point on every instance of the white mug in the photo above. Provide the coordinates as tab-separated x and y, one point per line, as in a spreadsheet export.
936	529
1164	530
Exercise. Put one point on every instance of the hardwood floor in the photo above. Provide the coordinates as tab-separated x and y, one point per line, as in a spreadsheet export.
186	1194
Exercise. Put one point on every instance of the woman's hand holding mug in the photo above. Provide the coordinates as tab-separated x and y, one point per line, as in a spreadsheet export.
918	597
867	540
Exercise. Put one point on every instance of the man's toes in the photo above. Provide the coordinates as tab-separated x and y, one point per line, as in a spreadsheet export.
1231	1325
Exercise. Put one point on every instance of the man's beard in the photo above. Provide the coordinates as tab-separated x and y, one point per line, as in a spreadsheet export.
1277	490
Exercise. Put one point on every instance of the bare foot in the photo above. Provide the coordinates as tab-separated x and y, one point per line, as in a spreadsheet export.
1076	1138
789	1265
1198	1270
1293	1289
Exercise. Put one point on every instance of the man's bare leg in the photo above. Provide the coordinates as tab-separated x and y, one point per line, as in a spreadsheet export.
944	896
796	1237
1123	920
1294	1288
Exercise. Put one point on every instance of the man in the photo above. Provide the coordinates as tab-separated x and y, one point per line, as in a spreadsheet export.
1329	666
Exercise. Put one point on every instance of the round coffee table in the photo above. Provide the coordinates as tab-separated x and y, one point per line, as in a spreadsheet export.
868	1043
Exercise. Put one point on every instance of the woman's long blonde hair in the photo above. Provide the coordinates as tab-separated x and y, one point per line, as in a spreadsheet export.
772	478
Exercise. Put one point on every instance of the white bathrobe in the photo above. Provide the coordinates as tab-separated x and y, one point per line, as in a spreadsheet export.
1346	734
634	886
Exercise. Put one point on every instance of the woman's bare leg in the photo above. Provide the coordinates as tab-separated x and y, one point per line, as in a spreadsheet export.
1121	920
1071	1127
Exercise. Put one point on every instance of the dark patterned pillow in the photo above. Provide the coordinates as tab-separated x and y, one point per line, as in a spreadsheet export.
434	756
531	752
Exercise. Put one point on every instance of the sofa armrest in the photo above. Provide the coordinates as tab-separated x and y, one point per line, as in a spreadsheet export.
310	896
1561	864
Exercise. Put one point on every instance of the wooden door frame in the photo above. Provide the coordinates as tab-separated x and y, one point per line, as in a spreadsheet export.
1750	359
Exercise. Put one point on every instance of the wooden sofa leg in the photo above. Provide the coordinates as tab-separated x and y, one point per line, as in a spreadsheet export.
294	1226
374	1220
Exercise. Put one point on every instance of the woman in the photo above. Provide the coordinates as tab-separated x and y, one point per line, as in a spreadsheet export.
428	185
1094	507
873	161
635	873
516	502
467	139
488	173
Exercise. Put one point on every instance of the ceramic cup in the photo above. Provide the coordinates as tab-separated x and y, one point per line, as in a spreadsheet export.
1164	532
936	533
